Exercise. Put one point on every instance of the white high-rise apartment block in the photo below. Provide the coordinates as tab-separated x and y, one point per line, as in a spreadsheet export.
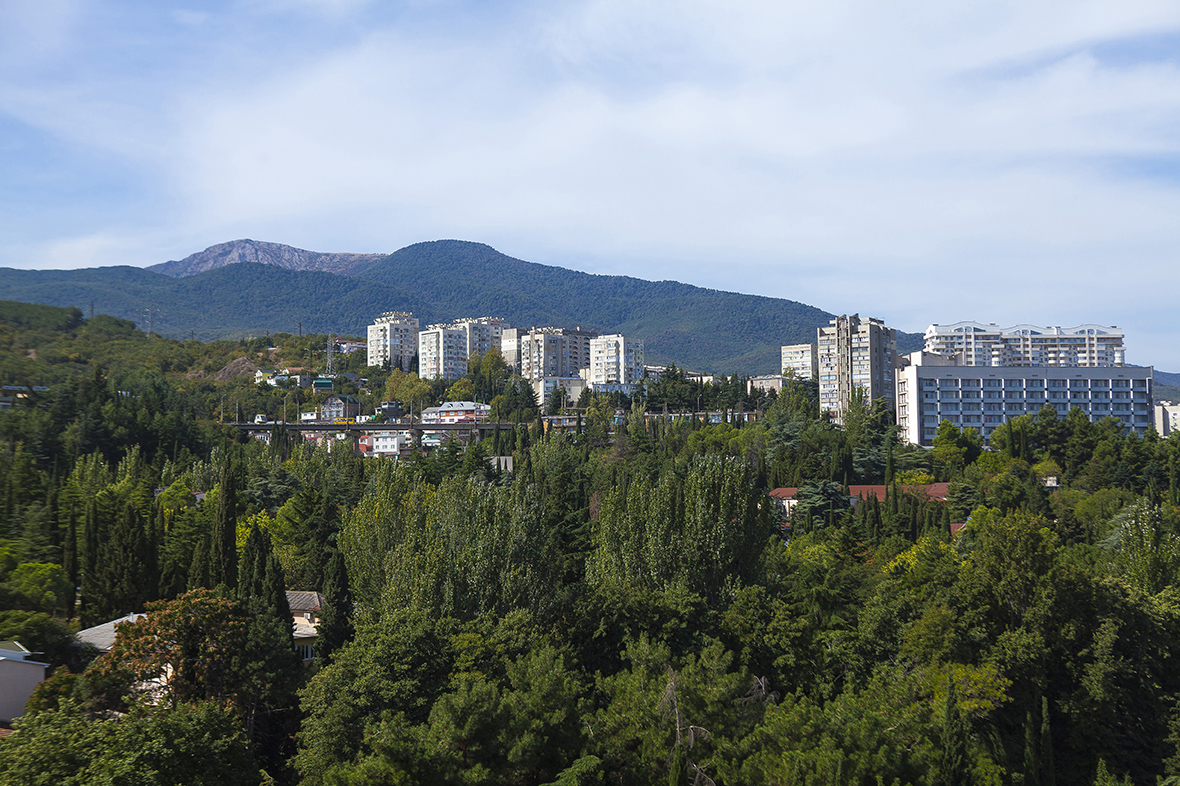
483	333
932	389
616	363
442	352
977	344
1167	417
443	349
852	352
800	358
510	347
393	340
553	352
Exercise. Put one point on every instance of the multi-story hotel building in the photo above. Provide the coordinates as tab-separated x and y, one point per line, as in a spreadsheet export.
932	388
976	344
393	340
854	353
616	363
801	359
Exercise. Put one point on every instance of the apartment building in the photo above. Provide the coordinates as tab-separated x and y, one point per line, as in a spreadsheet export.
616	363
443	349
553	352
483	333
801	359
545	387
932	388
1167	417
976	344
393	340
510	347
442	352
852	352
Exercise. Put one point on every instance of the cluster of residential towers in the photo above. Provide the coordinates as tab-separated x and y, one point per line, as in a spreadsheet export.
969	373
548	357
974	375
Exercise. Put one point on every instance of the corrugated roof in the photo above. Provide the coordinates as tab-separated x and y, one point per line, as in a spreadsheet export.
103	636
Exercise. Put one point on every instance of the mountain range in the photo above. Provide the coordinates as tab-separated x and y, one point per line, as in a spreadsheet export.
247	287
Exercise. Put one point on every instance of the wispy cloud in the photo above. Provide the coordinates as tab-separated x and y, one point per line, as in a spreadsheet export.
925	162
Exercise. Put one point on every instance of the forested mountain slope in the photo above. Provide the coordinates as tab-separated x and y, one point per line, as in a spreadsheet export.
702	329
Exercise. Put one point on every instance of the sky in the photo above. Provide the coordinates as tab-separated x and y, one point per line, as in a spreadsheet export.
920	162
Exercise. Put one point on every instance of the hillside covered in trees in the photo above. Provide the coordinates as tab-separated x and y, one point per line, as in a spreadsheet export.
233	297
627	606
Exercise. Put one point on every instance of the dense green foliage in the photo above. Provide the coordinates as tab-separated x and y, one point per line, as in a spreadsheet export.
627	606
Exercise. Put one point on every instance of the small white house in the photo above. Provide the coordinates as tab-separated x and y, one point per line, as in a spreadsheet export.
19	676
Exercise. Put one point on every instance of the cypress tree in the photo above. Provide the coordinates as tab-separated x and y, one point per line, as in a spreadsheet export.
335	628
70	556
1032	762
125	561
251	565
92	602
198	574
1048	773
951	769
223	551
274	594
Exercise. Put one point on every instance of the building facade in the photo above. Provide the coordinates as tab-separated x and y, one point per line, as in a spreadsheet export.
393	340
338	407
976	344
442	352
931	389
510	347
457	412
443	349
766	383
802	359
553	352
616	363
854	353
482	333
1167	417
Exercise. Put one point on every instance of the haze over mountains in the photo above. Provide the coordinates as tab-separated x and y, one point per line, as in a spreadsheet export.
247	287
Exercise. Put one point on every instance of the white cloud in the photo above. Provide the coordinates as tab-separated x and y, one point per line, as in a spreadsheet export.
924	162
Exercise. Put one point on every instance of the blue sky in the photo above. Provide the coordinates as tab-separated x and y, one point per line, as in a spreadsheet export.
920	161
